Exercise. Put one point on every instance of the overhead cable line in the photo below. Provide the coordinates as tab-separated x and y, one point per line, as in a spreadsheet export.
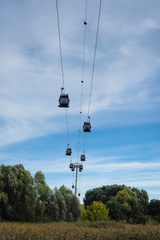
82	79
64	98
93	67
78	166
67	126
94	58
60	46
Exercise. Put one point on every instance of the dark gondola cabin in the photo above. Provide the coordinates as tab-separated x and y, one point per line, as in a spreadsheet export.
71	165
80	168
83	158
72	185
73	168
64	100
86	127
79	194
68	151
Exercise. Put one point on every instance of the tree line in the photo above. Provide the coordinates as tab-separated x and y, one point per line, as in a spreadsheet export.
26	198
29	199
125	203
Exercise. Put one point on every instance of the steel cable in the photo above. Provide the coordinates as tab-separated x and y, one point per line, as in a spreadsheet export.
62	71
93	67
60	45
82	80
94	58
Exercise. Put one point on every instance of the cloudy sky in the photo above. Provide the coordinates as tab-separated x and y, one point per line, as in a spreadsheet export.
124	146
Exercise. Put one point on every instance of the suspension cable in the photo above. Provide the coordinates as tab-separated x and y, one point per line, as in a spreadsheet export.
82	80
84	41
60	46
84	147
62	71
67	126
93	67
94	58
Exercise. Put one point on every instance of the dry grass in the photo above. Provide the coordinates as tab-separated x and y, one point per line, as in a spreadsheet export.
76	231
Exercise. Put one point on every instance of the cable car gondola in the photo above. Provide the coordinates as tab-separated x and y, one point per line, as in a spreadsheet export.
80	168
71	165
72	185
87	126
79	194
83	157
68	151
73	168
63	99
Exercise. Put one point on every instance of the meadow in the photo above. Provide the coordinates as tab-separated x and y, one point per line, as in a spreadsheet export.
78	230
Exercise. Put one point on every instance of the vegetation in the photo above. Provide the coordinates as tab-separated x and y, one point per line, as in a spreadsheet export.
83	231
97	211
27	199
153	209
17	194
124	203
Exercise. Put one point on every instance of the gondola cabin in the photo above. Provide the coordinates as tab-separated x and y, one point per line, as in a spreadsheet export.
79	194
71	165
86	127
68	151
80	168
64	100
72	185
73	168
83	158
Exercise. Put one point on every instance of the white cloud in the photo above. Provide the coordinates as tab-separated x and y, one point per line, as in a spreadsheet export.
30	63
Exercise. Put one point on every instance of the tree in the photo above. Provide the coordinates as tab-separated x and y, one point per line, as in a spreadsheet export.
142	197
103	194
17	194
125	203
24	198
44	194
120	207
72	204
64	206
97	211
153	209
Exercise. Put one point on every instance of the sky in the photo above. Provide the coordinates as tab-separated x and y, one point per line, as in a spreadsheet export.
124	145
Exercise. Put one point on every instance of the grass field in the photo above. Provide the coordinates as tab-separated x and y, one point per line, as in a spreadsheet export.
80	230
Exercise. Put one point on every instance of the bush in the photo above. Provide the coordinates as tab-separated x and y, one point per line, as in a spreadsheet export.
97	211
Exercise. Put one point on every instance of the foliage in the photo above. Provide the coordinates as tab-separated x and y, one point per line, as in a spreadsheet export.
24	198
44	194
79	231
97	211
65	205
124	203
153	209
17	194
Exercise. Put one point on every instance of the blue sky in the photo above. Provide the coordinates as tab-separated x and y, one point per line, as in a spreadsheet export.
124	146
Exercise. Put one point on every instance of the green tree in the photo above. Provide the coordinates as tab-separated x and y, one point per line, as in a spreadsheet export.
44	194
24	198
59	209
64	206
120	206
17	194
97	211
103	194
72	204
153	209
125	203
75	208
